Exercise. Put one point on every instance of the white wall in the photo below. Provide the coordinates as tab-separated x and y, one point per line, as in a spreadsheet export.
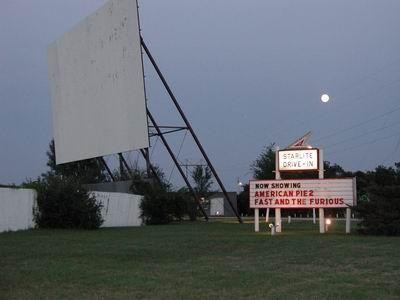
217	206
16	208
119	209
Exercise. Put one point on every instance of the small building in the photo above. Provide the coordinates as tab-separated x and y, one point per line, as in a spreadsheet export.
219	205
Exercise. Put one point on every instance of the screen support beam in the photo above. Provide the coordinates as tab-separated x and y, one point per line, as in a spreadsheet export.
103	162
128	168
151	167
124	164
186	121
177	164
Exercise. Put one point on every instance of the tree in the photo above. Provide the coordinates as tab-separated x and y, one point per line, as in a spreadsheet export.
142	184
264	166
243	201
62	200
63	203
333	170
202	178
85	171
155	205
385	176
397	166
380	211
378	202
160	205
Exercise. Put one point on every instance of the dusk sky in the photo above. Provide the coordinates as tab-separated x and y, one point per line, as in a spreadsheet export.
247	73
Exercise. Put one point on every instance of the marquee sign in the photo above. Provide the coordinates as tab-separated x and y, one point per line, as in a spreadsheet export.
298	160
303	193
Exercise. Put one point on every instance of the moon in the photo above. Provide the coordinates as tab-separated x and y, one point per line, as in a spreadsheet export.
325	98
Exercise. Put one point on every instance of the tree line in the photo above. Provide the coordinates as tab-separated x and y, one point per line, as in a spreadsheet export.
63	201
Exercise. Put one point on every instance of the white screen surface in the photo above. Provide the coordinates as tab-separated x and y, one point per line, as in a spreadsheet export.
97	89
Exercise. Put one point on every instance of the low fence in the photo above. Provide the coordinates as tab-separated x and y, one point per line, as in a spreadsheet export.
16	209
17	205
119	209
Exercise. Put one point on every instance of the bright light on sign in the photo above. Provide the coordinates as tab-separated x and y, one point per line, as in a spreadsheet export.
303	193
298	160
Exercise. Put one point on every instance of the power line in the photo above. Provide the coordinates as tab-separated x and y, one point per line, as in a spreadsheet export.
376	92
358	124
367	143
360	135
371	75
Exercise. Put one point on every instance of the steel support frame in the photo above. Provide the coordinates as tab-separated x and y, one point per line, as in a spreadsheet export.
125	164
166	132
177	164
189	127
103	162
152	169
150	165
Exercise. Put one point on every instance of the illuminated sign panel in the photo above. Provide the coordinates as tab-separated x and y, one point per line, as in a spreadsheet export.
298	160
303	193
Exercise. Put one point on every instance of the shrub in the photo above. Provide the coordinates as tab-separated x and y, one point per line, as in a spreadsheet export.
63	203
179	202
163	207
243	202
159	204
380	211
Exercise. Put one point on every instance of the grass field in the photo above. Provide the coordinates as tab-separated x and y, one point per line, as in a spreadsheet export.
199	261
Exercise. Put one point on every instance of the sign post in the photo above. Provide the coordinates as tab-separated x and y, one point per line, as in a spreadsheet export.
321	176
321	220
278	220
348	220
256	220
